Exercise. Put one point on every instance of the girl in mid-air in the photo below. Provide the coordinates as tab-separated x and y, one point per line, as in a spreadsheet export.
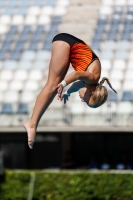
68	49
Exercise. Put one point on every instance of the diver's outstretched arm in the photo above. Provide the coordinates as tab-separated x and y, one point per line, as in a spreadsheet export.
76	86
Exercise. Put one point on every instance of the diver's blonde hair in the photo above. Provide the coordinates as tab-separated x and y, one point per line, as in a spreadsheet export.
101	94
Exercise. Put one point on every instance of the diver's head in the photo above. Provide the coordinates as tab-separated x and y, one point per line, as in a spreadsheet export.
95	95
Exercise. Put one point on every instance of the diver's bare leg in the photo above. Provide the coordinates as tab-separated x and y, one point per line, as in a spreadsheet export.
57	70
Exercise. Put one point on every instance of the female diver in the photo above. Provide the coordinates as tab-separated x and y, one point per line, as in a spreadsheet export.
68	49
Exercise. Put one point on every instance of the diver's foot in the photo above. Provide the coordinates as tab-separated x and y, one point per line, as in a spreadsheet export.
31	132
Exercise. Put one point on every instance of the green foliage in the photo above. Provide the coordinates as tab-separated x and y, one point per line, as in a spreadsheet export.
15	186
67	185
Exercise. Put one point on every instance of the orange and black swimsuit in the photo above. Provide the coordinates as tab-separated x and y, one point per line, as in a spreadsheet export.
81	55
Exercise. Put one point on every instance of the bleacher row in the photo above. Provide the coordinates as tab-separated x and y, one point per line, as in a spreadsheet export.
12	7
16	42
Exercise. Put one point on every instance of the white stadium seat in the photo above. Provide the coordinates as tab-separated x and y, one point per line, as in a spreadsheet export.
130	64
123	45
16	85
77	108
25	64
104	73
17	20
105	10
109	45
47	10
59	10
107	54
11	65
43	55
5	19
28	96
34	10
31	85
129	74
128	85
6	75
109	108
109	2
120	2
76	97
29	55
119	64
121	54
63	3
39	65
30	19
11	96
116	75
3	85
44	19
125	107
106	64
35	75
3	28
129	2
20	75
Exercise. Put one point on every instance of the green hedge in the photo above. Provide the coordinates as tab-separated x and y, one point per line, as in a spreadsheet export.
67	185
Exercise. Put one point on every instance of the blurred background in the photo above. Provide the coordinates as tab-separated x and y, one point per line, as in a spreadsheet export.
70	136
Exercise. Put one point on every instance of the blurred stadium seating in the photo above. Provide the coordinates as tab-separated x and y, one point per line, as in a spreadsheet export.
112	41
27	29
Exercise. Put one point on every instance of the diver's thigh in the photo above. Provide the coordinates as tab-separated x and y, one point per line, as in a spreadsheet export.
59	60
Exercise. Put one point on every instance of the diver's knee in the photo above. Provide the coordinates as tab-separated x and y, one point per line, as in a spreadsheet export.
51	86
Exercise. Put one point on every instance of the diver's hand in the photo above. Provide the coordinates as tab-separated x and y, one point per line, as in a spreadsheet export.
65	97
59	91
81	98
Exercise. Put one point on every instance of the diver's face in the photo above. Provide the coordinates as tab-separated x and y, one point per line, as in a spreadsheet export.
86	95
